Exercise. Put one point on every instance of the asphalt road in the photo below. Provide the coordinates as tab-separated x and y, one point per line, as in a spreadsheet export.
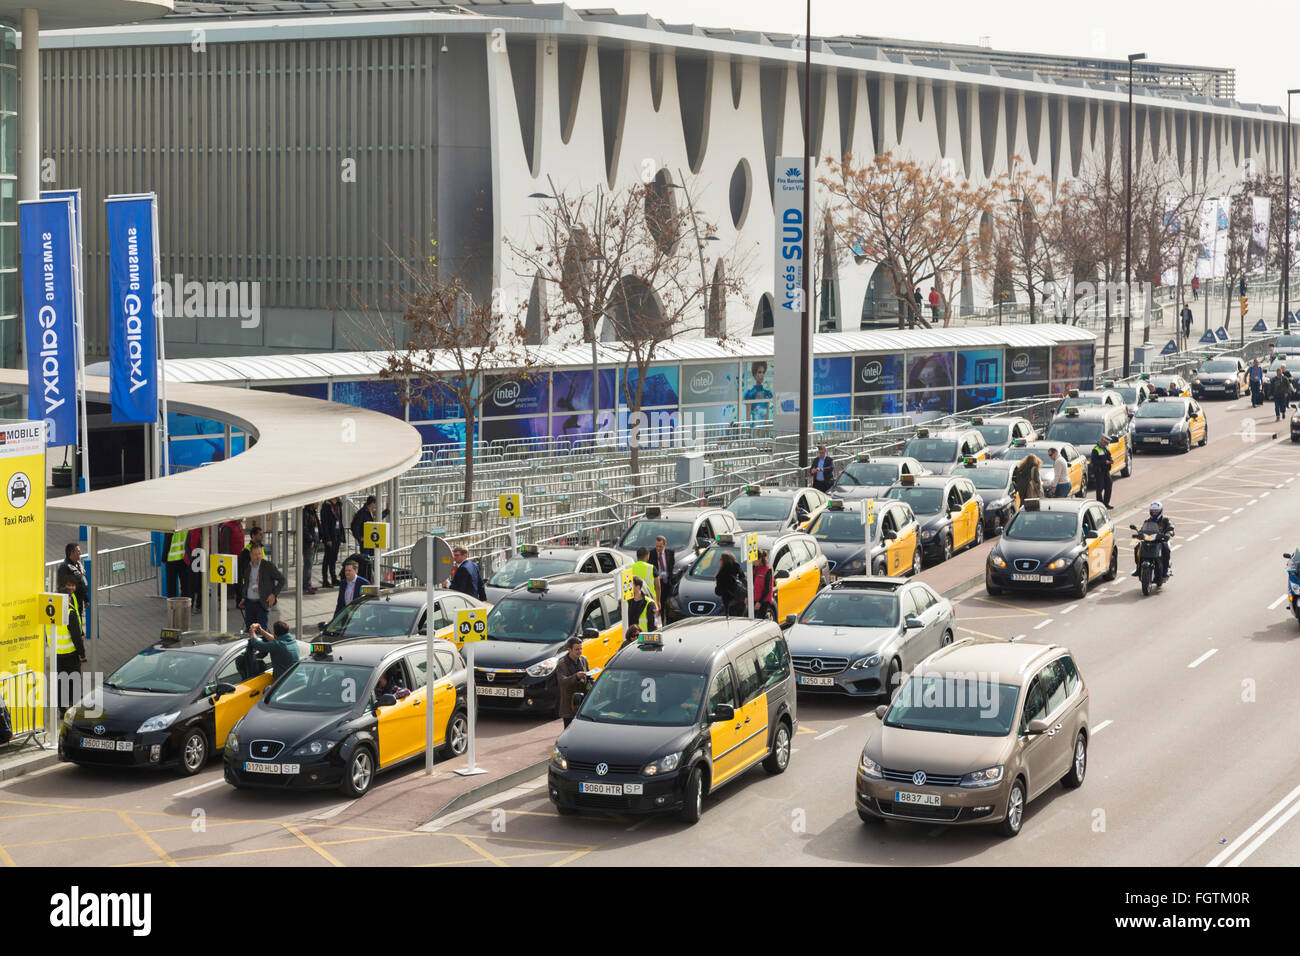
1192	761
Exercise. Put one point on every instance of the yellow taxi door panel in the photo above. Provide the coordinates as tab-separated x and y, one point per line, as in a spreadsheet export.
893	558
725	735
231	707
600	649
1076	475
972	513
907	553
444	699
401	728
1118	451
754	730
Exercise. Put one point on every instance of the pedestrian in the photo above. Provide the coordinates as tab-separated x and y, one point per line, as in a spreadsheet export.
465	576
571	674
729	585
254	537
1196	288
1255	377
72	569
364	514
1279	388
259	588
641	568
822	470
916	297
1060	474
230	537
331	538
1026	478
194	547
310	544
1187	324
642	610
69	648
764	604
664	560
282	648
178	565
934	303
1099	464
351	585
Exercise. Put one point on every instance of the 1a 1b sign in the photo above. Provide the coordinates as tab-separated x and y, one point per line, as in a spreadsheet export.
471	624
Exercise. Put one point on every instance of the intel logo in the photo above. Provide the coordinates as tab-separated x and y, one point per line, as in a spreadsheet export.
1020	363
702	382
870	373
507	394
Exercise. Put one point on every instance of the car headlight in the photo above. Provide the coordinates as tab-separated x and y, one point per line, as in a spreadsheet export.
543	668
1057	564
663	765
1179	426
997	560
927	535
988	777
159	722
314	749
871	660
557	758
869	768
70	714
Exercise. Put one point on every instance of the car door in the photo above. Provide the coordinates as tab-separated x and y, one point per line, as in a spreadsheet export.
914	646
598	649
931	613
443	690
1035	750
1117	428
786	589
1074	466
753	707
725	736
444	616
888	519
1092	545
613	604
229	708
1105	542
400	726
1198	422
1060	743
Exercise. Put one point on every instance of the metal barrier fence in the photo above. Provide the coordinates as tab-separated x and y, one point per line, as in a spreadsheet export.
20	694
112	568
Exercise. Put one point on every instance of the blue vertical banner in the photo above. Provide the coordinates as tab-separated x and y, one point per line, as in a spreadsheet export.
79	324
47	233
133	326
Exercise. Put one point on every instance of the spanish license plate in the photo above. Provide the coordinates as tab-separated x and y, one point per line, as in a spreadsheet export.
498	691
270	768
94	743
817	681
924	799
633	789
1034	578
602	789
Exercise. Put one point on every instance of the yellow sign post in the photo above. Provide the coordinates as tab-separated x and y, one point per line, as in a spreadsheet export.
471	627
510	507
221	571
22	566
375	536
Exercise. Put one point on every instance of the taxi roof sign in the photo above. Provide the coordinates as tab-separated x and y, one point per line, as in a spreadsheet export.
969	461
1109	383
907	479
1072	412
835	504
653	512
923	433
862	456
977	421
1032	504
529	551
169	635
753	490
650	641
538	586
1073	393
726	540
1018	442
321	648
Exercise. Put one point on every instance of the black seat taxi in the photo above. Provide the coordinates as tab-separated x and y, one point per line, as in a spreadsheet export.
350	711
1054	544
1085	427
514	669
799	570
950	513
676	716
171	705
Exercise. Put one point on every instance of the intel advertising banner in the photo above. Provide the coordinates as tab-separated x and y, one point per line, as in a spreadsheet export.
515	395
710	384
47	236
1028	365
979	378
133	326
878	373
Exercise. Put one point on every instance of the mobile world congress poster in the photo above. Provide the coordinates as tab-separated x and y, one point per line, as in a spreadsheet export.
22	546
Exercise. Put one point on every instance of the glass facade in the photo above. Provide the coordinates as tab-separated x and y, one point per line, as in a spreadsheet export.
9	321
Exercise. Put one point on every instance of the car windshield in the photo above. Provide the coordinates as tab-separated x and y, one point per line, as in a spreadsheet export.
954	705
924	501
846	608
1286	342
838	526
643	534
995	434
163	670
1079	402
1161	410
869	473
623	696
1043	526
1219	366
931	449
706	566
1016	452
519	571
525	618
1129	393
373	617
760	508
1077	432
320	685
989	479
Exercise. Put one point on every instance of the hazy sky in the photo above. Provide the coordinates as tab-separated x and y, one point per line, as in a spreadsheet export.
1259	38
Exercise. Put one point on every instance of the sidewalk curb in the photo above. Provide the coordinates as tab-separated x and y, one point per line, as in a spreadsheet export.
956	589
27	763
492	787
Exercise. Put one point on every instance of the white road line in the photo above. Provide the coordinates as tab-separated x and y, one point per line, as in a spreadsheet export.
1019	637
1207	529
1256	843
1042	624
1101	726
1203	658
1224	518
202	786
1291	479
1254	828
1174	547
1265	494
1251	502
1067	610
333	811
1193	537
1273	606
1239	511
833	730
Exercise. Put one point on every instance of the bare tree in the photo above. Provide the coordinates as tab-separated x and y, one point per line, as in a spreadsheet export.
1024	215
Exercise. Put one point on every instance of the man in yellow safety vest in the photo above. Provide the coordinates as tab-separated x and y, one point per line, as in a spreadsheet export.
69	643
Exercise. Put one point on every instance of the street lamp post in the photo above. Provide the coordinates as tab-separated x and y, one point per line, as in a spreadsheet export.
1286	218
1128	213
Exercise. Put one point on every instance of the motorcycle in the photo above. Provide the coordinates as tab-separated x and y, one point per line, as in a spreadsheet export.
1150	541
1295	426
1293	582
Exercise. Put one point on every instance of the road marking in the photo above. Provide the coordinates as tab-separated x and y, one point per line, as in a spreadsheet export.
1194	537
316	847
486	854
1251	502
149	841
833	730
1273	606
1291	479
1101	726
1207	529
1014	607
333	811
1067	610
1019	637
1264	494
438	823
1224	518
1203	658
1238	511
1254	828
202	786
1174	547
971	630
1043	624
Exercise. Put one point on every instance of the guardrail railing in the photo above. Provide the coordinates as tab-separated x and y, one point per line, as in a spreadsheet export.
20	693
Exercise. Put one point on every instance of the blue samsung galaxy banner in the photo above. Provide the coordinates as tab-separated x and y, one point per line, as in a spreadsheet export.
47	236
133	338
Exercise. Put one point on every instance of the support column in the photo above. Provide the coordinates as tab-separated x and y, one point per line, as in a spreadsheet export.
203	591
91	637
29	79
293	519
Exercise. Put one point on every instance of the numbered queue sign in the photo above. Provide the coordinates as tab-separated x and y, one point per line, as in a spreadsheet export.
221	569
54	608
375	534
625	579
471	624
510	505
751	546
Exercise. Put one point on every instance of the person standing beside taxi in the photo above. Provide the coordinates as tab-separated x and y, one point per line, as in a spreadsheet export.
571	673
1060	474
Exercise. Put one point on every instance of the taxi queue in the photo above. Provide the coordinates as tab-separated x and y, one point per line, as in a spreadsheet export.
353	703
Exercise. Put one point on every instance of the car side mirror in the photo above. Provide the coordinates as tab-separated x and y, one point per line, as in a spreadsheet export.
782	575
321	625
722	712
890	535
222	689
1037	727
387	700
578	698
789	621
1287	556
590	633
1089	535
911	622
881	711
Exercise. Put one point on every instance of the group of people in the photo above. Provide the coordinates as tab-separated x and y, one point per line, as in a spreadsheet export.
730	586
1026	477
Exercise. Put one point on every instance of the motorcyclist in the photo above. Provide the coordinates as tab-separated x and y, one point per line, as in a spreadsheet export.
1156	517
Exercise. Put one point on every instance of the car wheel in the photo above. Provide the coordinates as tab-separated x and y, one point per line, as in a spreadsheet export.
456	741
946	639
893	677
979	533
779	758
360	772
1078	764
1113	571
1205	437
1081	588
1010	825
878	569
694	802
990	587
1187	445
866	817
947	548
916	560
193	752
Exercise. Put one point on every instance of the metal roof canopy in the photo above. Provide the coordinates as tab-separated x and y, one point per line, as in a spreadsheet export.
307	450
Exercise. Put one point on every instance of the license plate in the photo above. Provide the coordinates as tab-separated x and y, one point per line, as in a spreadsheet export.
94	743
924	799
1034	578
603	789
270	768
633	789
817	681
498	691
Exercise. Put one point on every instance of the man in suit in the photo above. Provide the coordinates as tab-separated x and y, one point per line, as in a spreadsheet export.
259	588
331	536
350	587
466	578
663	558
822	471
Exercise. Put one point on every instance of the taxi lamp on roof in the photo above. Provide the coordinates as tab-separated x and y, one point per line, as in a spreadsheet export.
1072	412
907	479
1019	442
977	421
1073	393
969	461
321	649
835	504
923	433
726	540
753	490
1032	504
653	512
862	457
169	635
528	551
650	641
538	586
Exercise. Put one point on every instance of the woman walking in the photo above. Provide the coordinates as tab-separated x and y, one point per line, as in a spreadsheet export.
729	585
764	605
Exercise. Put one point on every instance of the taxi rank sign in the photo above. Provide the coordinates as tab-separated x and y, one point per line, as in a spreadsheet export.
46	232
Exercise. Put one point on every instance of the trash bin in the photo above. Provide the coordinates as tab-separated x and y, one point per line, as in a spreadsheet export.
178	613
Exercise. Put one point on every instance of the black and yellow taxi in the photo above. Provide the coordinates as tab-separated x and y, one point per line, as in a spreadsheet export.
398	612
347	712
514	669
950	513
799	569
685	529
1170	423
171	705
1166	385
677	716
868	536
870	476
763	508
530	562
1085	427
1000	431
943	450
1087	397
1076	465
1055	544
1136	391
993	483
